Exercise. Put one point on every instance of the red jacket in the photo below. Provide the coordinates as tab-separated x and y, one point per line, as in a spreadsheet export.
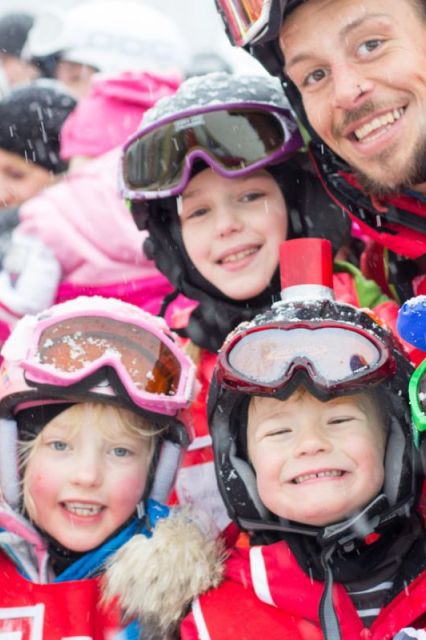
266	594
53	611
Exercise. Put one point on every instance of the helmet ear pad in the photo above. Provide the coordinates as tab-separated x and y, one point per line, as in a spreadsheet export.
401	464
235	475
310	210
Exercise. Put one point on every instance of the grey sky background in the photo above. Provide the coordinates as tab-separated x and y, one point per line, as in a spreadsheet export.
197	19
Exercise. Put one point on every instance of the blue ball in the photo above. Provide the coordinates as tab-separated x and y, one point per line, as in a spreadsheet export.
412	322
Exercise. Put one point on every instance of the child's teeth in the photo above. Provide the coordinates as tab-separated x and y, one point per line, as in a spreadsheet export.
83	509
321	474
239	256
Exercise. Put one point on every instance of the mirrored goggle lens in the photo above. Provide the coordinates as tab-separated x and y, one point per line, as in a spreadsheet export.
73	345
266	356
234	139
244	18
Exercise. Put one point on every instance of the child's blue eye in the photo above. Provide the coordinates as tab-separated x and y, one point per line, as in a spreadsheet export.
121	452
58	445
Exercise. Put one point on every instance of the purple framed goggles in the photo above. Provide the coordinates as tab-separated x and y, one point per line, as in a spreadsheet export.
153	371
234	141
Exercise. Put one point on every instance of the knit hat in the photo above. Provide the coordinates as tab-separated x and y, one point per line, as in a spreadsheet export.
31	117
14	28
112	111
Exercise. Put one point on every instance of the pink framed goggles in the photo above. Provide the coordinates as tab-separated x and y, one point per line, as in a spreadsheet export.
234	141
153	371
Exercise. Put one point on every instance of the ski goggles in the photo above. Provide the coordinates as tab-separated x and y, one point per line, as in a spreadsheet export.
417	396
252	21
157	161
335	357
153	371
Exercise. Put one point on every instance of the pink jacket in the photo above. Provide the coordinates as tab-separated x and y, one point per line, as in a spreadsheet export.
78	237
87	226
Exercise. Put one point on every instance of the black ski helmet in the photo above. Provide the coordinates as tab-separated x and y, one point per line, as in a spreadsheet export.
309	309
310	210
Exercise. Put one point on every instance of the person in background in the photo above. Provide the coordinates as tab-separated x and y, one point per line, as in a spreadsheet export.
77	237
106	37
112	111
31	117
14	28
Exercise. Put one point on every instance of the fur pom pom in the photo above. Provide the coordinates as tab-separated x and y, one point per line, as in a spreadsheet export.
155	579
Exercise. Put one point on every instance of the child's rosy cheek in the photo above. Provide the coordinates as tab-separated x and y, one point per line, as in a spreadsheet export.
39	481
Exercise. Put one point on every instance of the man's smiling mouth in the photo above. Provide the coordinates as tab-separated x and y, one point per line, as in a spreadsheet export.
367	130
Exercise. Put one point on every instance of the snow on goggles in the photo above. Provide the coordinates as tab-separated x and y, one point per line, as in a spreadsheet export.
153	371
157	161
417	396
335	357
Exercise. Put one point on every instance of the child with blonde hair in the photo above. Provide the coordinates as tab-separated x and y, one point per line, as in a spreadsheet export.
93	397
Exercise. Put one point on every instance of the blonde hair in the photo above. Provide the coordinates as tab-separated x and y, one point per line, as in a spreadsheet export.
133	424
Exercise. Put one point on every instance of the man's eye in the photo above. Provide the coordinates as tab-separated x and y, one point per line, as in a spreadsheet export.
368	46
314	77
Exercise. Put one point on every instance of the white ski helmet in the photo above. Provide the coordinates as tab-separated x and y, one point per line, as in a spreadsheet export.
109	36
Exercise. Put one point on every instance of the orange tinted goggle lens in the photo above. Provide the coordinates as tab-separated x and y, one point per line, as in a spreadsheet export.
76	343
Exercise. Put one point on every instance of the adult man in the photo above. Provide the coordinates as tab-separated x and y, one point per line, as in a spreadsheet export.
355	73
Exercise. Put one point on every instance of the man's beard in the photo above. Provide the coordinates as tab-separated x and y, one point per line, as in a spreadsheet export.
414	174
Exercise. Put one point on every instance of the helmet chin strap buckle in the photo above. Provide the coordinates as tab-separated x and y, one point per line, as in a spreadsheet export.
359	526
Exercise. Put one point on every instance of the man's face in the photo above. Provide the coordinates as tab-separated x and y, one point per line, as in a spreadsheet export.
361	70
